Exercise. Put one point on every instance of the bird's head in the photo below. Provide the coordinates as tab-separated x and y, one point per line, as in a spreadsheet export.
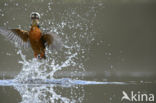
35	16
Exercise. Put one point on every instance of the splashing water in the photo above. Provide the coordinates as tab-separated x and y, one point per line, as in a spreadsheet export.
77	32
75	46
40	69
41	94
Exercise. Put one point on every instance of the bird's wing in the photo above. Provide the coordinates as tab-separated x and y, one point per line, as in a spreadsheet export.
52	40
17	36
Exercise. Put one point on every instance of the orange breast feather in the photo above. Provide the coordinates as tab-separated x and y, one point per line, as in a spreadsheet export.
35	34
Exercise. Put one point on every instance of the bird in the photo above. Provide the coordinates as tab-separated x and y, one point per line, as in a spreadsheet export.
35	38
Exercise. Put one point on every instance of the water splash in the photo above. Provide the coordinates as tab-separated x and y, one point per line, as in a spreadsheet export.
46	91
76	45
41	69
77	30
41	72
41	94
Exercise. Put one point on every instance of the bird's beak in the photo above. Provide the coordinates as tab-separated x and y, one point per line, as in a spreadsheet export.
35	22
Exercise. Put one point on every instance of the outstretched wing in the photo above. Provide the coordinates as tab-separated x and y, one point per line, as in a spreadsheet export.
17	36
52	40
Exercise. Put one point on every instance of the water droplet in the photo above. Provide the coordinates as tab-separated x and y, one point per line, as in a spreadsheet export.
141	81
108	45
4	24
25	5
98	44
49	3
5	4
16	4
8	54
25	9
13	19
19	26
109	53
100	4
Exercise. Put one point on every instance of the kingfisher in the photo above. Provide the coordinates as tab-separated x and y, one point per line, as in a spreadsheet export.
34	38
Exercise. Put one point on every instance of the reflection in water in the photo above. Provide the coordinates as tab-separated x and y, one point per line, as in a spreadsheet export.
41	72
41	94
36	84
63	90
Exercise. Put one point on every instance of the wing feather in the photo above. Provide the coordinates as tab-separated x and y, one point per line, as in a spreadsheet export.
17	36
52	40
